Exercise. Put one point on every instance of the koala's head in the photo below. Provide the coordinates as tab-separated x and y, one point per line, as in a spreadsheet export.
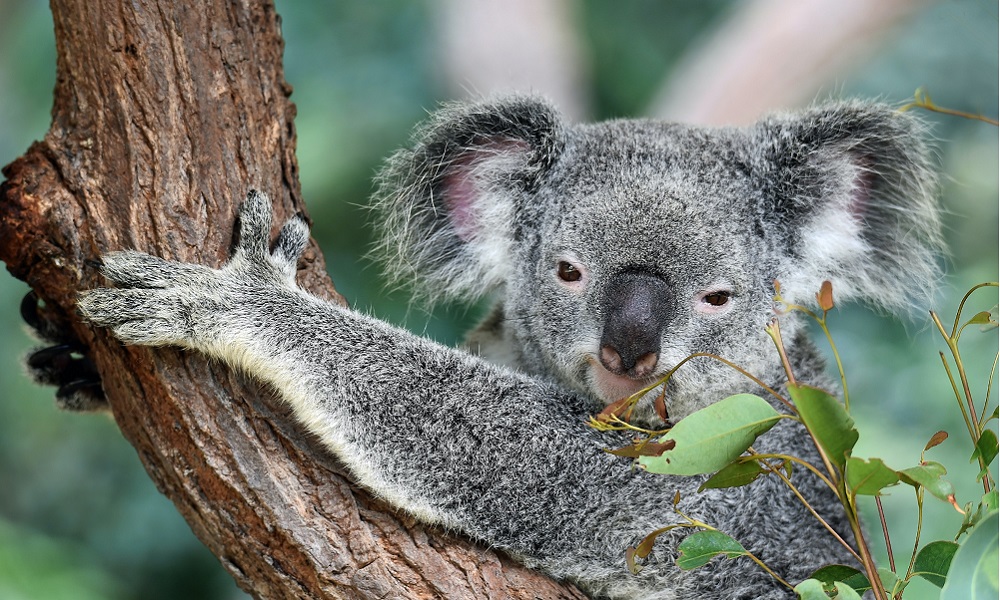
617	249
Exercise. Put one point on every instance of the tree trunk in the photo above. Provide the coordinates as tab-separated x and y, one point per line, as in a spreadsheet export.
165	114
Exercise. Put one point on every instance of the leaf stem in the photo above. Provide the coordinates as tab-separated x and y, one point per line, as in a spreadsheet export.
958	396
774	331
859	537
840	365
989	388
724	361
761	564
822	521
885	533
799	461
961	305
920	523
922	99
972	417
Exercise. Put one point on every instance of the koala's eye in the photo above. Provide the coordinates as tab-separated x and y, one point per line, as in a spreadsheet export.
568	272
716	298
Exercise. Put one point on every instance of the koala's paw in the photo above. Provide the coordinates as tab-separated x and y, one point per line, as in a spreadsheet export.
160	302
63	364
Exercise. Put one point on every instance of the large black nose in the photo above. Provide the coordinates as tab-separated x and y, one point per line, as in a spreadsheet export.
636	306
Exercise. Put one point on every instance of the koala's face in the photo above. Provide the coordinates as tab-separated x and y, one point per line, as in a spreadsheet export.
646	254
621	248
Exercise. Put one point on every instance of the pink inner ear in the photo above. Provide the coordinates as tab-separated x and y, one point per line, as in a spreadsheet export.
459	185
460	192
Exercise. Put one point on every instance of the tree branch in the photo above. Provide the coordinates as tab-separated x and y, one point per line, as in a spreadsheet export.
164	114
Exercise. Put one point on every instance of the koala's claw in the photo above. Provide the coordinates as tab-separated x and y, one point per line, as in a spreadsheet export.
29	311
77	382
65	367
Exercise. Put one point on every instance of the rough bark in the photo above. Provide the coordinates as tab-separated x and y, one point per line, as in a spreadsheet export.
164	114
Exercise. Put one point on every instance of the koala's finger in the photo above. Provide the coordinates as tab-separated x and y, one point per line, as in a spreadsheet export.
132	269
109	307
255	227
150	332
291	242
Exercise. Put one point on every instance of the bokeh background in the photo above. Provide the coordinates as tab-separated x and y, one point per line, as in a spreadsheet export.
78	517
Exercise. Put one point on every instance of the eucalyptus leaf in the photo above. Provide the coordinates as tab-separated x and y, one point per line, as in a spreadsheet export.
933	561
702	546
986	448
990	500
869	477
709	439
643	550
811	589
845	592
735	474
980	318
890	581
828	421
973	572
936	439
929	476
831	574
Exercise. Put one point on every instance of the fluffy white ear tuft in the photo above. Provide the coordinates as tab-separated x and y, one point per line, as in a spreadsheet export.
852	200
448	208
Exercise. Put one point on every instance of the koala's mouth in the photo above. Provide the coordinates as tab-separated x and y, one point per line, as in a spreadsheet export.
611	387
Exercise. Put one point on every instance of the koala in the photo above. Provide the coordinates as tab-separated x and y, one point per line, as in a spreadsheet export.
613	251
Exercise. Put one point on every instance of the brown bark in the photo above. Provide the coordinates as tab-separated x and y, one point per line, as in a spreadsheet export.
165	113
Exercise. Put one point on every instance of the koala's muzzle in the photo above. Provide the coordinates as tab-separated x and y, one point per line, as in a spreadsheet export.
636	306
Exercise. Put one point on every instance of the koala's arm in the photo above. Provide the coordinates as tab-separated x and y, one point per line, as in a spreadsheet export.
443	435
453	440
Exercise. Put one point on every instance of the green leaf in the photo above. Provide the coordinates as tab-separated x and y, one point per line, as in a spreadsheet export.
828	421
734	474
700	547
986	448
811	589
845	592
933	561
869	477
831	574
711	438
981	318
889	580
990	500
973	573
928	475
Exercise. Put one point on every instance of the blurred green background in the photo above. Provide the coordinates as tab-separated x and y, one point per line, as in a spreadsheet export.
78	517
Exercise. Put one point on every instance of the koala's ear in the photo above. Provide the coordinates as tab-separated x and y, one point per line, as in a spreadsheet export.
849	195
448	208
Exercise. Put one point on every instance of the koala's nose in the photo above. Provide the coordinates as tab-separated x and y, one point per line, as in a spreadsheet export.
636	306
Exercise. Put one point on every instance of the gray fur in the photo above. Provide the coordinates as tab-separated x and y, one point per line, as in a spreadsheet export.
489	200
